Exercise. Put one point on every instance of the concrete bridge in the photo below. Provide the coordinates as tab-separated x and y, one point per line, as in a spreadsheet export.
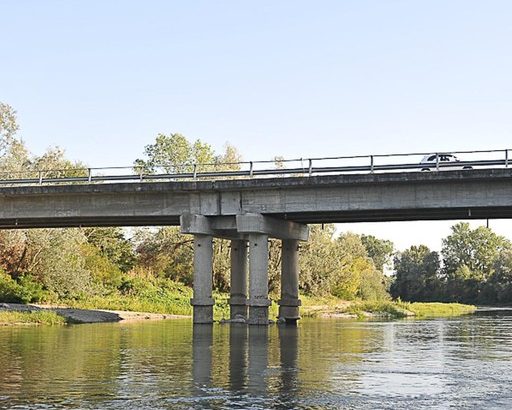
249	211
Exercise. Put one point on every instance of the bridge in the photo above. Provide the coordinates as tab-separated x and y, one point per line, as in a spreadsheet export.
248	208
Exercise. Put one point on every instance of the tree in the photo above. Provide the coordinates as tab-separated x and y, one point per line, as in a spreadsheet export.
477	249
469	258
175	154
379	250
112	244
416	274
8	127
499	287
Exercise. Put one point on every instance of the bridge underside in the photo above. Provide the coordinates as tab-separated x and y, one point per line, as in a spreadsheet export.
317	217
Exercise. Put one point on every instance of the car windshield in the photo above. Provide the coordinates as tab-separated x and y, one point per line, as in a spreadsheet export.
442	158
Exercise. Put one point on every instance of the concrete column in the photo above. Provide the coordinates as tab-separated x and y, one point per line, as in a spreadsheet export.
289	303
258	279
203	281
238	293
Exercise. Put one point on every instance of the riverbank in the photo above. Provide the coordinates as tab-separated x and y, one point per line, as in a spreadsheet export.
336	308
324	307
14	313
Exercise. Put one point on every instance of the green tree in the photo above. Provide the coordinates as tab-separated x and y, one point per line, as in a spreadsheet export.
499	286
112	243
379	250
175	154
416	274
469	257
8	127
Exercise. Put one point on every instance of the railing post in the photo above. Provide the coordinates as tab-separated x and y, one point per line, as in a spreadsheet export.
437	161
506	158
310	171
251	170
89	175
371	164
141	172
195	172
40	177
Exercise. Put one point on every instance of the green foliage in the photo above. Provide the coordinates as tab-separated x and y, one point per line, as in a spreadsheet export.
175	154
8	127
499	286
38	317
470	257
416	274
23	290
391	309
438	309
477	250
113	245
166	253
379	250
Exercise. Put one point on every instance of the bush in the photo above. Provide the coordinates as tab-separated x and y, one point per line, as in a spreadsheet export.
9	289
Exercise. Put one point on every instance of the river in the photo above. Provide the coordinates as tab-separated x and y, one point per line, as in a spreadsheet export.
463	362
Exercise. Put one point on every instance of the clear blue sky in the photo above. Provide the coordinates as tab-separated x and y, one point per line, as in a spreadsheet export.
291	78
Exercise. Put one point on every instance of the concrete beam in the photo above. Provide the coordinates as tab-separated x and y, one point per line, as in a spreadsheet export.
277	228
217	226
195	224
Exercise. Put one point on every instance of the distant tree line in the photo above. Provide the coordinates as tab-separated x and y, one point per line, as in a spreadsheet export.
475	266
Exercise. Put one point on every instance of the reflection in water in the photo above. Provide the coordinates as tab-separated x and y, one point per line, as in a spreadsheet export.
237	356
464	362
202	356
257	374
289	387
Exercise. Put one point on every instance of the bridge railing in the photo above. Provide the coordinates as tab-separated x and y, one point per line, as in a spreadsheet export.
278	167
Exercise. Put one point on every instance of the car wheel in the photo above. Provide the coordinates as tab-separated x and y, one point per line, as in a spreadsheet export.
467	167
425	169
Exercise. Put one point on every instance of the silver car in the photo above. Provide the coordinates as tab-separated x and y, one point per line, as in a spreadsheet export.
445	161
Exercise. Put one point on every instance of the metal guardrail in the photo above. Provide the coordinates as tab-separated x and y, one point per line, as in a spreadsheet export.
251	169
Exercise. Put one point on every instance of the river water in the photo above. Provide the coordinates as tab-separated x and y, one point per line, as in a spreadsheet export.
422	364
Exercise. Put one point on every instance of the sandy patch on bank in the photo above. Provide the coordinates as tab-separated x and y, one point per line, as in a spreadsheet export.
90	315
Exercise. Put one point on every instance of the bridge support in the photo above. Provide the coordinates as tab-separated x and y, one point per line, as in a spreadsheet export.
238	292
203	280
290	302
258	279
255	228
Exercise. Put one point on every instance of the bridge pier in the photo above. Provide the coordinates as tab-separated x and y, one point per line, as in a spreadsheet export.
289	302
202	301
256	229
238	291
258	279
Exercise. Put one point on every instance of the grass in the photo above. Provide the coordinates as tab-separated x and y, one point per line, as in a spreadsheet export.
32	318
400	309
433	309
177	302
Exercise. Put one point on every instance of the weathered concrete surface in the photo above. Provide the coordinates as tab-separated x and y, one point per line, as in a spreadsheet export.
289	302
239	274
366	197
258	279
202	301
